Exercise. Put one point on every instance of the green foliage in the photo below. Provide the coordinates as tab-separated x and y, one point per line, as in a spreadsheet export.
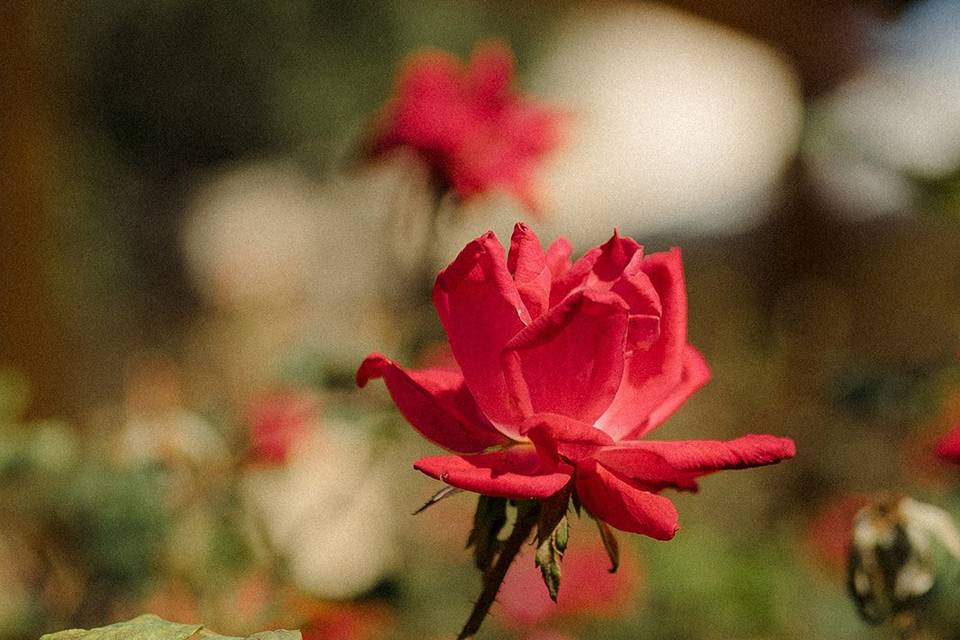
151	627
610	544
488	521
115	523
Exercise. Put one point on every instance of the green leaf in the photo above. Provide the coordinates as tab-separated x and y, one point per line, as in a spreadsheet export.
610	544
553	510
151	627
489	519
575	500
549	554
145	627
446	492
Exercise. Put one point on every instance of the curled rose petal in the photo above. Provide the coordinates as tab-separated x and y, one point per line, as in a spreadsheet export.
517	473
665	463
623	505
436	402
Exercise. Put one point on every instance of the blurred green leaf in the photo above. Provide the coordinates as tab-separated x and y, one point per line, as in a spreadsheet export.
151	627
489	519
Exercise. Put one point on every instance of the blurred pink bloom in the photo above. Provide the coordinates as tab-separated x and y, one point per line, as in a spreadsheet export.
468	123
346	621
278	421
829	530
589	589
948	447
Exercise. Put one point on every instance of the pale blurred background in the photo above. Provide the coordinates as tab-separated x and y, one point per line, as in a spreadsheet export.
191	247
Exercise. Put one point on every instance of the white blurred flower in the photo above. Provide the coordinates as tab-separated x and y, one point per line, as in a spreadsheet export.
899	117
328	512
678	122
291	264
894	559
251	234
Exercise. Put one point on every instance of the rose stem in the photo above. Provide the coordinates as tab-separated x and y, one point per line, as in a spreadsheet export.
527	516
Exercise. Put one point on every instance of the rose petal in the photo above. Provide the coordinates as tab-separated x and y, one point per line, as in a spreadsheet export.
528	264
652	377
555	435
659	463
636	288
489	75
558	257
427	110
615	254
696	373
569	361
623	505
436	403
481	310
643	332
598	268
517	473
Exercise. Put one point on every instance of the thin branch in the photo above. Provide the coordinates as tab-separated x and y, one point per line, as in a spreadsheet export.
527	516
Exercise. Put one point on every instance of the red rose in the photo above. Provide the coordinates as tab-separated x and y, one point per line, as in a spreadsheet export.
468	124
278	422
564	368
948	447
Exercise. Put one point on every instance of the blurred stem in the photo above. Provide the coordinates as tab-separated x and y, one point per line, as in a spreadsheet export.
425	271
528	514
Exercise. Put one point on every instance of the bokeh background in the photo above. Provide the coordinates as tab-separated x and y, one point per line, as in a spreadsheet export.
195	258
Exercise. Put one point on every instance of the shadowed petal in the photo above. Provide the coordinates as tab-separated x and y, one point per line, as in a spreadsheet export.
696	373
555	435
654	383
623	505
517	473
436	403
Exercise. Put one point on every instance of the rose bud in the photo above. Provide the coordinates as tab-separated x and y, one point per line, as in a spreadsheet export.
468	124
564	367
904	564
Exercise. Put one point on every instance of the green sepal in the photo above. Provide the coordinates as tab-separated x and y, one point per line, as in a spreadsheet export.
488	521
577	505
549	554
610	544
553	510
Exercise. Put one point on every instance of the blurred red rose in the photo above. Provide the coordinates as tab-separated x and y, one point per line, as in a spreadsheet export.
590	589
564	368
829	531
278	421
468	123
948	447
